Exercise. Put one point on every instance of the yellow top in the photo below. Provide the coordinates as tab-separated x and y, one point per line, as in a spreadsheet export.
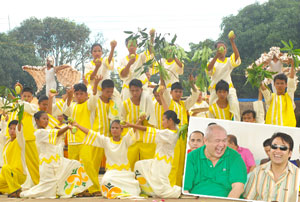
220	113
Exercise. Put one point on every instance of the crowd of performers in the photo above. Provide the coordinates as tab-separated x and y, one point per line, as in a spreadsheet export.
135	129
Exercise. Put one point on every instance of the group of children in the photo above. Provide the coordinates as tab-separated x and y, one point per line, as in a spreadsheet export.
136	130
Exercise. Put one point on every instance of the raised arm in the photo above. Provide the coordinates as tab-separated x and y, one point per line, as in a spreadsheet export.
61	67
113	45
124	72
211	64
50	102
178	62
234	48
62	130
98	64
97	81
161	92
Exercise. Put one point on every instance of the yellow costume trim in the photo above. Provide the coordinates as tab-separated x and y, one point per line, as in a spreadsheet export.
108	65
136	57
164	157
115	142
169	63
118	167
219	61
233	60
48	161
214	86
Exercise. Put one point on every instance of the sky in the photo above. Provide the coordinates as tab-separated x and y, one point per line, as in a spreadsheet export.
192	20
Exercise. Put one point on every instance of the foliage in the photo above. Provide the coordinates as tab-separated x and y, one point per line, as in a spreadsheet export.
13	56
161	49
291	51
11	104
64	39
182	132
259	27
257	74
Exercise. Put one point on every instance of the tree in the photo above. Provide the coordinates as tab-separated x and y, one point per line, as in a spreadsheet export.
13	55
259	27
64	39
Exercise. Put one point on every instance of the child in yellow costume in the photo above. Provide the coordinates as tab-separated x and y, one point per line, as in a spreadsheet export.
221	109
201	104
281	104
118	181
83	112
59	176
101	67
129	66
220	67
181	108
152	174
131	111
106	111
31	153
159	109
13	173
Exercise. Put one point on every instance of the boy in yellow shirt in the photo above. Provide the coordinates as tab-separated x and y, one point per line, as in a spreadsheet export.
281	104
181	108
13	173
220	109
131	111
82	111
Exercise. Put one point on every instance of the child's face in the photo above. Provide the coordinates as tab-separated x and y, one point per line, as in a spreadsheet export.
97	52
132	46
248	118
60	118
116	130
12	131
225	49
280	86
200	97
196	141
157	97
135	92
107	92
80	96
176	94
26	96
165	122
222	94
43	105
43	121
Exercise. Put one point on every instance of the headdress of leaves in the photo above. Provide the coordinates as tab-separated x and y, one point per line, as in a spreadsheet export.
289	47
182	132
10	102
257	74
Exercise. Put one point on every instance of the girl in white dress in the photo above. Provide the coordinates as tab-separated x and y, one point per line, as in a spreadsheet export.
118	180
58	176
153	174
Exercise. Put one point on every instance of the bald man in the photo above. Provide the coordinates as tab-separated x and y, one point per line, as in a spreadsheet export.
215	169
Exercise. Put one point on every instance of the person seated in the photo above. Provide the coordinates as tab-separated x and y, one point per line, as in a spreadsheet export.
257	114
215	169
278	179
244	152
267	148
195	140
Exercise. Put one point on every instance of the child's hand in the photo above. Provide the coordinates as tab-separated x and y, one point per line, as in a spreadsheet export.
124	124
113	44
152	32
70	92
20	85
191	79
98	78
97	62
51	95
86	83
161	89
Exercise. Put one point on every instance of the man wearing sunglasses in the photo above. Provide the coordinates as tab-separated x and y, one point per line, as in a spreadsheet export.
277	180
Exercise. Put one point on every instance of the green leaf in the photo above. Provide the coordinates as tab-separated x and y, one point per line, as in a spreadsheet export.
128	32
291	44
174	39
285	44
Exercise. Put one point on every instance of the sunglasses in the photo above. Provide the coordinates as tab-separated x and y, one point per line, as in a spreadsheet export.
281	147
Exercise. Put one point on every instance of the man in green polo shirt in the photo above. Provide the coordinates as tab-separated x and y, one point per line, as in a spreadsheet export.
215	169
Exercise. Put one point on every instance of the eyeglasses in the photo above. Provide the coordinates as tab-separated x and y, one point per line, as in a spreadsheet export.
281	147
